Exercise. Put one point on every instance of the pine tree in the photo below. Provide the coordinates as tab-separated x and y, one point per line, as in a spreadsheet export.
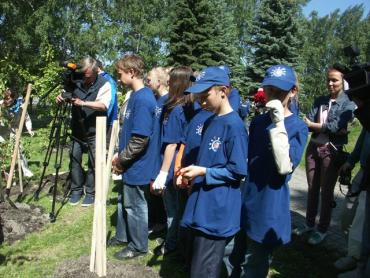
275	38
204	34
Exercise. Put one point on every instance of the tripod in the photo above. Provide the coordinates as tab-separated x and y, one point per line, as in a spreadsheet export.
57	140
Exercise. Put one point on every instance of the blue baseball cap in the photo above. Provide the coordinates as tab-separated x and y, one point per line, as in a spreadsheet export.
207	78
280	76
226	68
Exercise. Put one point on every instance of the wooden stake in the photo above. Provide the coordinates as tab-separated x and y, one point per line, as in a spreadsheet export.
98	244
20	172
18	137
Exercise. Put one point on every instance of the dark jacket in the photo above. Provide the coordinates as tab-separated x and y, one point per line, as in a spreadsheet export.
84	118
340	114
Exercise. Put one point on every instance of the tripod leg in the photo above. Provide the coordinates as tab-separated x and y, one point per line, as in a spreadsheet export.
52	135
58	163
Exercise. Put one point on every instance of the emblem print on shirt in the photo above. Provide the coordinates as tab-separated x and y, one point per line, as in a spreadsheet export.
157	111
215	144
199	129
278	72
127	114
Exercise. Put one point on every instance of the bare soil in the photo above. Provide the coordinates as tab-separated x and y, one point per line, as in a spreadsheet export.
80	268
17	223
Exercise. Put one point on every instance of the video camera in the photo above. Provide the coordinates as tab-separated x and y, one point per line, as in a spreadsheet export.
70	77
358	76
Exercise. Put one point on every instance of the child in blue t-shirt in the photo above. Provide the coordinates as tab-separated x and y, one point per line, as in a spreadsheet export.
212	212
173	133
276	144
135	157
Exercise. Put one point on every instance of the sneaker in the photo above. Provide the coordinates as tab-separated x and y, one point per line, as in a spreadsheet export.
316	238
302	229
88	201
113	241
127	253
345	263
163	251
74	199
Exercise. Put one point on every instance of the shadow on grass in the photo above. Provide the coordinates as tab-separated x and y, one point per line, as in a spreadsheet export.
299	259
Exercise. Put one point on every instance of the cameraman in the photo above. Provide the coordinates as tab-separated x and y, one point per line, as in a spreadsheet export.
91	97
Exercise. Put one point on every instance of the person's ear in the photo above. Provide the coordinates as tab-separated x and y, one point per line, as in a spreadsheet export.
293	92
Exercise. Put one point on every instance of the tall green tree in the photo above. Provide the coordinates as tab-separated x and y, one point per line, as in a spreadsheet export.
203	34
275	38
324	40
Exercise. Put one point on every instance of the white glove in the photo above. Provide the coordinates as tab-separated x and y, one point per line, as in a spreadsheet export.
276	110
160	181
279	137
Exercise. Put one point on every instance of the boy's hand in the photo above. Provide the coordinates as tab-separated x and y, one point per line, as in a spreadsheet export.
116	167
160	182
276	110
192	172
182	182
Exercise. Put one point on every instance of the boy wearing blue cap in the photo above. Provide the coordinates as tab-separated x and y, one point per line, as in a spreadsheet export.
212	211
276	145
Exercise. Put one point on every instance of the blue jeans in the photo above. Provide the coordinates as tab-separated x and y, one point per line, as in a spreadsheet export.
134	228
77	172
121	232
170	199
257	259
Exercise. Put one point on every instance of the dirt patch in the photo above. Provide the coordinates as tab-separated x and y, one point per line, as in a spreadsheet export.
17	223
80	268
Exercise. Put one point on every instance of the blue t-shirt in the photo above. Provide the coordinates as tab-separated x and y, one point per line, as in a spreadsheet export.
215	209
234	99
194	136
157	130
173	132
265	213
112	111
139	120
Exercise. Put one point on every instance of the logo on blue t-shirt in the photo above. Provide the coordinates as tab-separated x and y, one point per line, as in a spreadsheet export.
199	129
215	144
158	111
128	113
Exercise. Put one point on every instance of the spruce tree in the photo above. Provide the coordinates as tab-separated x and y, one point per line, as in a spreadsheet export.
275	38
204	34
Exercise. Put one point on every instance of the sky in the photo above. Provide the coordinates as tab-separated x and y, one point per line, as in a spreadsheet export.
325	7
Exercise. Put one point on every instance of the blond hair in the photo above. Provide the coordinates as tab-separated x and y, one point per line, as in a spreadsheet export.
131	62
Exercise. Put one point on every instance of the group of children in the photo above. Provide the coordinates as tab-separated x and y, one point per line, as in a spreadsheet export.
189	145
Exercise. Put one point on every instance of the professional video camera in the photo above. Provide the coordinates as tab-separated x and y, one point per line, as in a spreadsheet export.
70	77
358	78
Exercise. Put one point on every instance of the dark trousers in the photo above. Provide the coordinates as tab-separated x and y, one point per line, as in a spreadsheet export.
76	168
322	174
207	255
257	260
157	213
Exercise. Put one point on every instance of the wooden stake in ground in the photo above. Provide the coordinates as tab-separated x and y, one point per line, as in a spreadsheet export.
17	139
20	171
98	256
